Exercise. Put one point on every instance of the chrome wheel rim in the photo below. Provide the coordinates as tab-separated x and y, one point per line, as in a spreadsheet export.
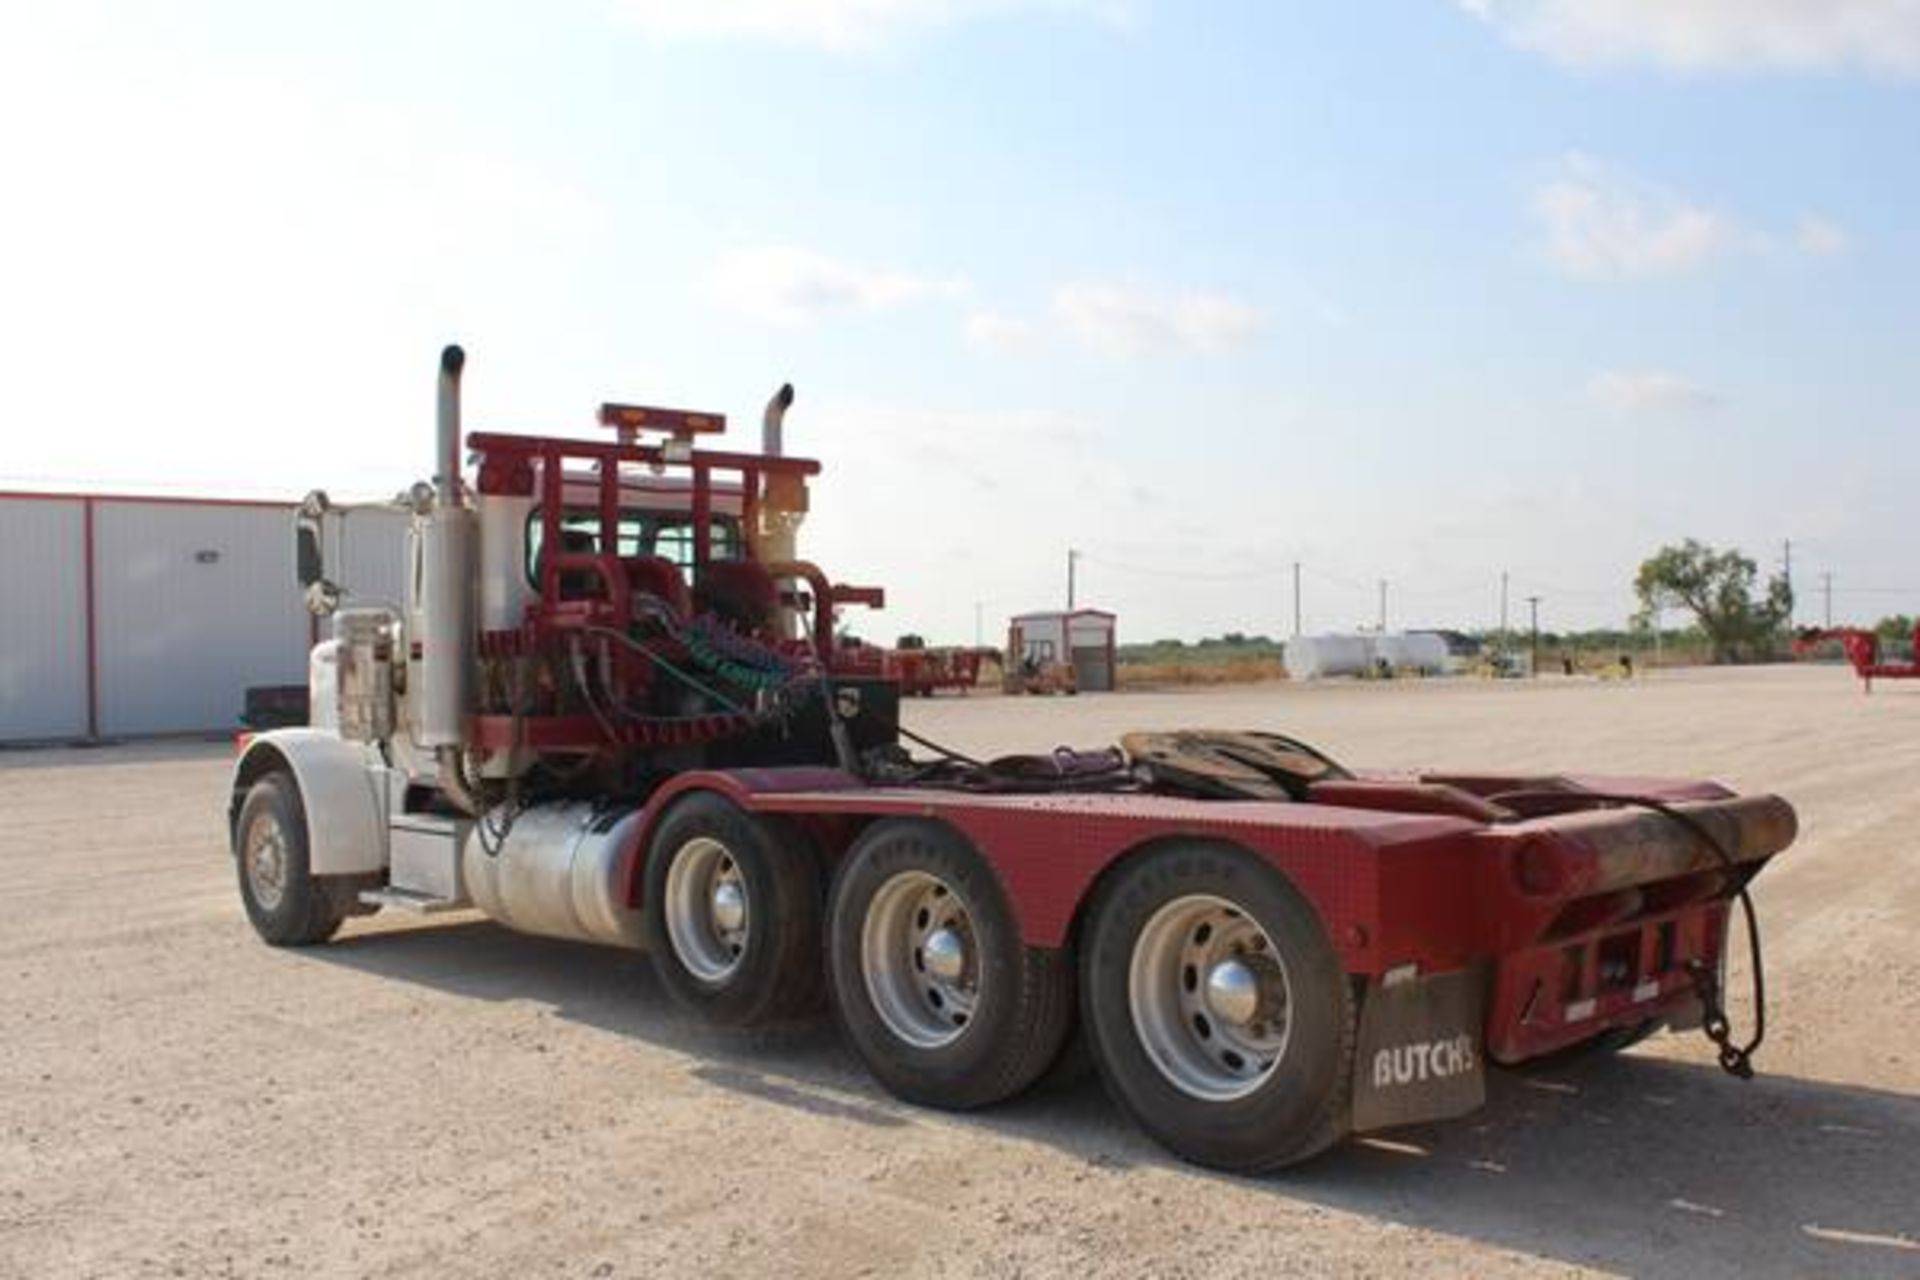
707	909
1210	998
919	955
264	856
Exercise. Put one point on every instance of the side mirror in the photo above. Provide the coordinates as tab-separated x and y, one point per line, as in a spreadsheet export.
307	561
322	598
309	558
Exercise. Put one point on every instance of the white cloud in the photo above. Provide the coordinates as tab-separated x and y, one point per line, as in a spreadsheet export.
1601	223
1650	392
232	221
782	284
1120	321
1715	35
1821	237
1001	334
838	25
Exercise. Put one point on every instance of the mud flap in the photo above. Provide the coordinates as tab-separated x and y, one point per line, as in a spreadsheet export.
1419	1056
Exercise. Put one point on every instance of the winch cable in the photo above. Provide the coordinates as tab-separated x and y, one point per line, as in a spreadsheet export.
493	838
837	732
1735	1059
836	727
1018	774
946	751
686	678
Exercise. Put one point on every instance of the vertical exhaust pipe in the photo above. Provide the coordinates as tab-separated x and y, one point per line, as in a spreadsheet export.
446	473
770	421
443	602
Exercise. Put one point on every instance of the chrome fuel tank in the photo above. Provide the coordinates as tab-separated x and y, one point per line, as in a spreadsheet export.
555	873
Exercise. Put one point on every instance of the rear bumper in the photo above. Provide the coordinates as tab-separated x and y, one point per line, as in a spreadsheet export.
1595	914
1568	990
1609	914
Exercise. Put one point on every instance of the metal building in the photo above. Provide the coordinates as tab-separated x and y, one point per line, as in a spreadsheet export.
1083	637
123	615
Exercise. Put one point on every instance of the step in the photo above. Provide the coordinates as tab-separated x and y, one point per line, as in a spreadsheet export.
424	904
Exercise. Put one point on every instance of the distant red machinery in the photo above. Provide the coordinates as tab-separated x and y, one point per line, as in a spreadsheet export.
1862	648
923	672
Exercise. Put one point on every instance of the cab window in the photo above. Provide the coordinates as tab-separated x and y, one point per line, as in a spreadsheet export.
667	534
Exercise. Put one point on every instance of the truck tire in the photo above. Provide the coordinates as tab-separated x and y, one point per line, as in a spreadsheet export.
1217	1010
287	904
932	982
731	913
1604	1047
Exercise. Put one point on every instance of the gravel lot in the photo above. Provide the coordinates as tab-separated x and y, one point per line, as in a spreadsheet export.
448	1099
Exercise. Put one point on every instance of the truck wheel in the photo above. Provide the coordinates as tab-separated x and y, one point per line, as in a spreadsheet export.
1216	1009
935	988
286	904
1603	1047
732	913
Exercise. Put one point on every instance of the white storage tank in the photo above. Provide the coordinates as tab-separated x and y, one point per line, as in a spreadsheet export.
1413	651
1333	654
1352	654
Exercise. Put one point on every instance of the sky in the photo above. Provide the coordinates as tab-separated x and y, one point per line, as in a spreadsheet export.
1414	292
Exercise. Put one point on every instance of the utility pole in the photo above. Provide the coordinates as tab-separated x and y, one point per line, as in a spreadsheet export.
1383	606
1533	608
1786	560
1503	611
1072	557
1296	597
1826	593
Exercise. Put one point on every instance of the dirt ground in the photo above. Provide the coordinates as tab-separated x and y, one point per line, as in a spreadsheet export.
448	1099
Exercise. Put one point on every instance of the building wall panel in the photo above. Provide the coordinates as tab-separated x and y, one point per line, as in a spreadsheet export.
193	603
43	619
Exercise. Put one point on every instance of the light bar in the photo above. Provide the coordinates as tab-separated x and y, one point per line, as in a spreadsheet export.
682	424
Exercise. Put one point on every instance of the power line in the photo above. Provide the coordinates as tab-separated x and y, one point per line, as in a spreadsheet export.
1190	574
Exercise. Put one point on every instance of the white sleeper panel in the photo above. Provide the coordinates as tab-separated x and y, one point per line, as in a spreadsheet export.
194	603
367	554
43	619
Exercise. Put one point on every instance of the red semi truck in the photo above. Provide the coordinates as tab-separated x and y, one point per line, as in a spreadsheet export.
610	709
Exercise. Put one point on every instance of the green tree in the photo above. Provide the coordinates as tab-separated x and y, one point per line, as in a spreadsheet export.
1717	587
1897	627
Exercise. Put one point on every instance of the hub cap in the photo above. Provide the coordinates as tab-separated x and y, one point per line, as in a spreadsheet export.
729	906
918	953
1210	998
265	858
707	909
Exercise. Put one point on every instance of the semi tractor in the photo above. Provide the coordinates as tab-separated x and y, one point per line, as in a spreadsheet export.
613	706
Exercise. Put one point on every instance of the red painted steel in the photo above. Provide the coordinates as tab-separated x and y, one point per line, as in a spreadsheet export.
1604	906
1584	910
1554	995
1862	648
923	672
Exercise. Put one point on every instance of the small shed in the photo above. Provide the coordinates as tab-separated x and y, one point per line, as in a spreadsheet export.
1082	637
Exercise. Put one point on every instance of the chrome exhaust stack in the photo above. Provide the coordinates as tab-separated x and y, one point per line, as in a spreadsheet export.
771	420
442	613
446	464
